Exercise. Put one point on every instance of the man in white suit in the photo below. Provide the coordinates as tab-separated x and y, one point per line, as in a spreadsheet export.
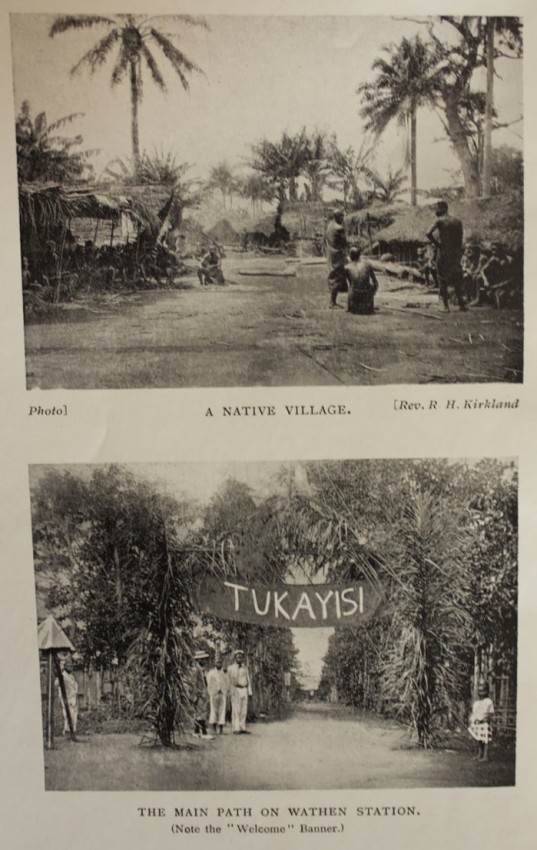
218	688
240	688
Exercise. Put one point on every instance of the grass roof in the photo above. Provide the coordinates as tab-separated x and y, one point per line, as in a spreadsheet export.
497	218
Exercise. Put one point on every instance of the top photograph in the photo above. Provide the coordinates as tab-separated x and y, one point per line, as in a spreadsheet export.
231	201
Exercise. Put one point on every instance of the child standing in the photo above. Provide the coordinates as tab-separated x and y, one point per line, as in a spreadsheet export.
481	722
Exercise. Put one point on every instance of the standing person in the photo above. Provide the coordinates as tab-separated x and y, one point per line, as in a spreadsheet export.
241	689
362	284
71	692
218	687
446	235
197	687
336	255
480	727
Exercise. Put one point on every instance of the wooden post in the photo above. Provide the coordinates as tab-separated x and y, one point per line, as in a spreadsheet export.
60	266
95	240
49	732
65	701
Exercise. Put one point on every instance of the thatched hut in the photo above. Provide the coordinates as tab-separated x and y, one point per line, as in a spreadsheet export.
363	225
305	220
52	214
497	218
224	233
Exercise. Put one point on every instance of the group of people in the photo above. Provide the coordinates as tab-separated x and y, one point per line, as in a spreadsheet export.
475	275
347	272
212	691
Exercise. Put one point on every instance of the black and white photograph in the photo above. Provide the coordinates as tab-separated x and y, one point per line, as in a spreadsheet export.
269	200
219	626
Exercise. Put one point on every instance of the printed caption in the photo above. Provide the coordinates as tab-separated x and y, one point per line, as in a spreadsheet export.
406	405
268	820
54	410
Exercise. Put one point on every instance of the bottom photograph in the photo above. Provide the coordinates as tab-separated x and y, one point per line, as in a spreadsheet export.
277	625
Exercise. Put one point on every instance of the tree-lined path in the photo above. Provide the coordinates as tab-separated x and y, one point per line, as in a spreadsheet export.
320	746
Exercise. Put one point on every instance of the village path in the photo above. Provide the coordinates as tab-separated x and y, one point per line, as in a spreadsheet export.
270	331
319	747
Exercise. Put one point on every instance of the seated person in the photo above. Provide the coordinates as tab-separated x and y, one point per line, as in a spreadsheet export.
362	284
210	269
497	274
471	271
427	265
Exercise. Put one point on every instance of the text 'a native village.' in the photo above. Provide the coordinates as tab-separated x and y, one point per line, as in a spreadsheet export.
263	410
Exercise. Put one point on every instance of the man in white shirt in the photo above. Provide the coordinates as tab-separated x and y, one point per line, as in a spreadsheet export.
240	688
71	693
218	688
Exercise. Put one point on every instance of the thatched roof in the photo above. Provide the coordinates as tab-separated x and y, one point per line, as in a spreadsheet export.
223	232
50	635
306	219
263	225
48	207
498	218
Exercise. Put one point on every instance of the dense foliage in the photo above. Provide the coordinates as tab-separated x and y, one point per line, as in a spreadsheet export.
444	538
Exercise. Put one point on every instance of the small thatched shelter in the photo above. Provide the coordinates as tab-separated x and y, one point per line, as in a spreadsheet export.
52	213
497	218
305	220
224	233
363	225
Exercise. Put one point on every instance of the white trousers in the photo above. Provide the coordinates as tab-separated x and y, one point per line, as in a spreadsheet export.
73	711
239	708
218	709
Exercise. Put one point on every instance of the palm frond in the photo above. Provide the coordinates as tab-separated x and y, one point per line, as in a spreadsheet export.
76	22
121	66
153	67
179	62
98	54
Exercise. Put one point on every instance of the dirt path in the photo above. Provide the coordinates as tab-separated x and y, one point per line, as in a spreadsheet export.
318	748
272	331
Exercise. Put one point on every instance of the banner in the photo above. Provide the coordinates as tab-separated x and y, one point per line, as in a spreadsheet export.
289	605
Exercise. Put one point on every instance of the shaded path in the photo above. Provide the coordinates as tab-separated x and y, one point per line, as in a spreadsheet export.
328	748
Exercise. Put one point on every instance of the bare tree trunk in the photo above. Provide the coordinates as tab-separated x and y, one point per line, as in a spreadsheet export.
292	188
489	106
458	138
119	580
413	159
135	98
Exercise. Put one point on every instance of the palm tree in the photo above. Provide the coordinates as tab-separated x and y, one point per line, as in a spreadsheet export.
349	167
282	162
316	166
222	179
258	190
43	154
389	188
131	35
406	80
424	667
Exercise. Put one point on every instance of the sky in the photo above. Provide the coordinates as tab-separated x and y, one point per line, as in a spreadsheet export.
262	75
